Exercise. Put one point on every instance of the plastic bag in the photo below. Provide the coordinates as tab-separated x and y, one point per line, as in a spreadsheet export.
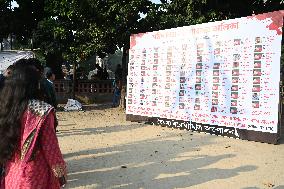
73	105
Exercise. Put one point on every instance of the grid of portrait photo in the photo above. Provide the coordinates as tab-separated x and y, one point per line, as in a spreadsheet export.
258	53
207	76
168	76
182	80
235	78
199	75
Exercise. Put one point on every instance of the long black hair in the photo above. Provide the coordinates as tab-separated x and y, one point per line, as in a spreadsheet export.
18	89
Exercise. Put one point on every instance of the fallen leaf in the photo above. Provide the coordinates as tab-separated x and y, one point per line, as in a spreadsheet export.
269	185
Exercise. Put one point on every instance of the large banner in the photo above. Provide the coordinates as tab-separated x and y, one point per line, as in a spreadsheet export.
223	73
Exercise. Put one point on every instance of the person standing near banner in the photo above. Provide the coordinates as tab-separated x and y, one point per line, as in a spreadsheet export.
117	86
116	93
30	155
50	94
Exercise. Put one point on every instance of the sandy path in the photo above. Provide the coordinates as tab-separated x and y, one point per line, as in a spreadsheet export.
104	151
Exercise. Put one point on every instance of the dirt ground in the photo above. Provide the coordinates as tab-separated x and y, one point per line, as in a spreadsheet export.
104	151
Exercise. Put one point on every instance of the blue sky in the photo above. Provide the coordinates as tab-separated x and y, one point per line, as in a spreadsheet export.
14	4
156	1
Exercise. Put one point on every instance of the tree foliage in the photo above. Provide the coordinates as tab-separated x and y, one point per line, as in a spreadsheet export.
5	14
85	27
80	28
177	13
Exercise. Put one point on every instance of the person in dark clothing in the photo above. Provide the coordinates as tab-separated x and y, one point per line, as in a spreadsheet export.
49	90
117	86
116	93
49	94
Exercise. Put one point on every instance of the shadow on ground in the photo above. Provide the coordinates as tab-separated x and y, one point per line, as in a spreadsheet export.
162	163
63	132
89	107
281	141
279	187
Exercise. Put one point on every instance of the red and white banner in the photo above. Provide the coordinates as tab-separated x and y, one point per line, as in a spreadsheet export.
222	73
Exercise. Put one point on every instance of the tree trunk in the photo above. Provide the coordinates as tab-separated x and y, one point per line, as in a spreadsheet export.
11	42
32	44
124	66
74	81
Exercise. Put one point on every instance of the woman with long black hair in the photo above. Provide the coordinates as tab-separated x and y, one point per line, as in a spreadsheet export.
29	152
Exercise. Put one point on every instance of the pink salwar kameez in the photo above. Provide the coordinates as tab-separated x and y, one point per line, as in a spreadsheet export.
38	162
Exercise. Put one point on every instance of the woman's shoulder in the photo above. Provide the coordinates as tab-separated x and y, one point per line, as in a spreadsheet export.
39	107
